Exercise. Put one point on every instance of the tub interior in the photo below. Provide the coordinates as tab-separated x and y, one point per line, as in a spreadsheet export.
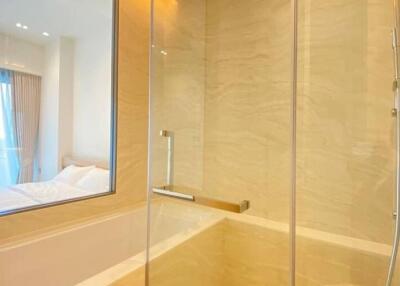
222	248
73	255
241	252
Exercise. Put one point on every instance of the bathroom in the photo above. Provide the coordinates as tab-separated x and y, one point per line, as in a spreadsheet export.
200	142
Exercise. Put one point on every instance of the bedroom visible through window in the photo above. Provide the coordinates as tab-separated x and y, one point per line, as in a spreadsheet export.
57	102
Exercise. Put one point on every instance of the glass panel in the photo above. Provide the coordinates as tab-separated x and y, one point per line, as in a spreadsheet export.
221	93
345	148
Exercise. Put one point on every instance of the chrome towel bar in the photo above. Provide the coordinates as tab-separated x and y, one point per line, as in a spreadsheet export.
227	206
176	195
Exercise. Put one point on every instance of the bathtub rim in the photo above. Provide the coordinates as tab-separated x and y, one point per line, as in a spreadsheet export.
332	238
53	231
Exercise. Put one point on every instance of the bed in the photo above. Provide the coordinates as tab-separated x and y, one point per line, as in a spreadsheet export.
79	178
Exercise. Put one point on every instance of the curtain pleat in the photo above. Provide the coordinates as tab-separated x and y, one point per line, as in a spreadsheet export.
26	91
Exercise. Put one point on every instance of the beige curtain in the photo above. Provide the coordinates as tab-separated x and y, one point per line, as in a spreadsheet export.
25	89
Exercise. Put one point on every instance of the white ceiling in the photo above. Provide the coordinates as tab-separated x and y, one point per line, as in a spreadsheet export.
69	18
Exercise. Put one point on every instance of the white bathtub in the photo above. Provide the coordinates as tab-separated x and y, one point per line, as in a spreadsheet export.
101	252
74	255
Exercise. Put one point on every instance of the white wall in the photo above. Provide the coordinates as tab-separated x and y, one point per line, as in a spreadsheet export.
56	116
66	98
92	95
76	101
19	55
48	126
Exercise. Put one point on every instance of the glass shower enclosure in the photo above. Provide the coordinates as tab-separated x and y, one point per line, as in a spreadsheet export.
273	140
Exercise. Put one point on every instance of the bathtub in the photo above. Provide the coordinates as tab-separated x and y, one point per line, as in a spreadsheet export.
75	254
208	246
238	249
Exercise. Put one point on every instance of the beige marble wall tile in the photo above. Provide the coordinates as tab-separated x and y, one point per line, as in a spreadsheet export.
136	278
257	255
195	262
345	130
320	263
254	255
247	105
132	138
224	89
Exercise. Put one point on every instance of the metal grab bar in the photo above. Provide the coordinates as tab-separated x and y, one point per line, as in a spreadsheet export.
396	236
395	112
227	206
164	192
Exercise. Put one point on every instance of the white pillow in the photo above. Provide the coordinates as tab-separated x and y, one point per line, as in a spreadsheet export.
97	180
72	174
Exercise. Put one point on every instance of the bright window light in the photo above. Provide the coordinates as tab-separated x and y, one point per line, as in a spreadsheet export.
3	86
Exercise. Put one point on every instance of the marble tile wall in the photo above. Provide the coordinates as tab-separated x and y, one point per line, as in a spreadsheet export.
319	263
345	129
255	255
224	89
247	105
195	262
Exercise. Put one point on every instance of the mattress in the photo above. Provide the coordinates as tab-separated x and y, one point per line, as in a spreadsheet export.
32	194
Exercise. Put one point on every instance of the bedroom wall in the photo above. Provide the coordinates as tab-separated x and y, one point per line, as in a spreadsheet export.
66	82
92	94
132	138
19	55
76	100
56	110
48	125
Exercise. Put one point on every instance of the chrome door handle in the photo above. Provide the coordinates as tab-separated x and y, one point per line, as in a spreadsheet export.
170	159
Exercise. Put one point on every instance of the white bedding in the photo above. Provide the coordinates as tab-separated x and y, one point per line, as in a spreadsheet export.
31	194
10	200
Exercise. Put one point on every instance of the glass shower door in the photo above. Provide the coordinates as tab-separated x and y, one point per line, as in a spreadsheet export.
221	97
220	137
345	135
